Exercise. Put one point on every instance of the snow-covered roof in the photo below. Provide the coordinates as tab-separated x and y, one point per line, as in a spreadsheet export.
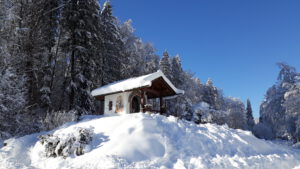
134	83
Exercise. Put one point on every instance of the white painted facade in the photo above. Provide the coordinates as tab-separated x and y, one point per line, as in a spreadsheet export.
113	98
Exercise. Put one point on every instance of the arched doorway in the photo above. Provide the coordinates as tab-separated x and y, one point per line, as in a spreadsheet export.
135	104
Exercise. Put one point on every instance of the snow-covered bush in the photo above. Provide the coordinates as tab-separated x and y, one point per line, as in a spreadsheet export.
232	113
201	114
56	146
213	116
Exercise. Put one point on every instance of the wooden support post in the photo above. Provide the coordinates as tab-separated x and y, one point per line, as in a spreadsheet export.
161	101
143	101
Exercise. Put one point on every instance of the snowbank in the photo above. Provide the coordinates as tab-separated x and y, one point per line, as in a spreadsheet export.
144	141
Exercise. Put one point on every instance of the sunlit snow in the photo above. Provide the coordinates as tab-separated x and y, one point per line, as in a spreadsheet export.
144	141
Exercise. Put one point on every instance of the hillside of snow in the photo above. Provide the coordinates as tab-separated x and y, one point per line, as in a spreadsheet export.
152	141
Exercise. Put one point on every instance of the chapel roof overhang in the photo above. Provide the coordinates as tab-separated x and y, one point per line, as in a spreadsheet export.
155	84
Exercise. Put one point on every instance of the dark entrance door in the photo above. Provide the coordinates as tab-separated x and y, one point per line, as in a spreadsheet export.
135	105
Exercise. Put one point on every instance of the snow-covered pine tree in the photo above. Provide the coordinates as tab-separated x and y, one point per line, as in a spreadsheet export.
279	111
211	95
3	17
209	82
15	116
182	105
291	82
12	89
91	16
3	33
49	32
112	46
140	57
14	32
292	109
179	104
42	34
80	23
71	32
287	73
165	65
23	48
12	100
151	59
271	109
177	71
134	52
249	115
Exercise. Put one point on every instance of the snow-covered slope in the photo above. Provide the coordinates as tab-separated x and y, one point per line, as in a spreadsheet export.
153	141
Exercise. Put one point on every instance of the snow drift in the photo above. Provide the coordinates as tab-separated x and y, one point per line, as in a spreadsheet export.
152	141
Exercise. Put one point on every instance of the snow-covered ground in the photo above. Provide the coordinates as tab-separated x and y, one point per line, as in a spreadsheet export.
153	141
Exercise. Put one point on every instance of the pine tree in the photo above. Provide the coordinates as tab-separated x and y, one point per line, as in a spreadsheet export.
80	24
249	115
139	57
287	73
151	59
279	111
14	34
3	19
177	72
179	105
135	52
165	65
3	33
12	100
209	82
49	27
211	95
112	46
43	26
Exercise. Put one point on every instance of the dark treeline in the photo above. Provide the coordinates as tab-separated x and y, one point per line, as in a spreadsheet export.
53	53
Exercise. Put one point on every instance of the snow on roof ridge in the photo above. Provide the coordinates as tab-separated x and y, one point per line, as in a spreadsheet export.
133	83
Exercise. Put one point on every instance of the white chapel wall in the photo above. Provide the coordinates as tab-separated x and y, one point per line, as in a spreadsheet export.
114	98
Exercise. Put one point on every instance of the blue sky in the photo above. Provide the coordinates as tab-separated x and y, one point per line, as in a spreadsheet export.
236	43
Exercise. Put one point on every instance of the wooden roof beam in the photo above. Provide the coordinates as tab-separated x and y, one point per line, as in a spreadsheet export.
152	91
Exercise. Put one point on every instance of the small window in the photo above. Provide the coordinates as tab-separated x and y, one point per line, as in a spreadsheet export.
110	105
